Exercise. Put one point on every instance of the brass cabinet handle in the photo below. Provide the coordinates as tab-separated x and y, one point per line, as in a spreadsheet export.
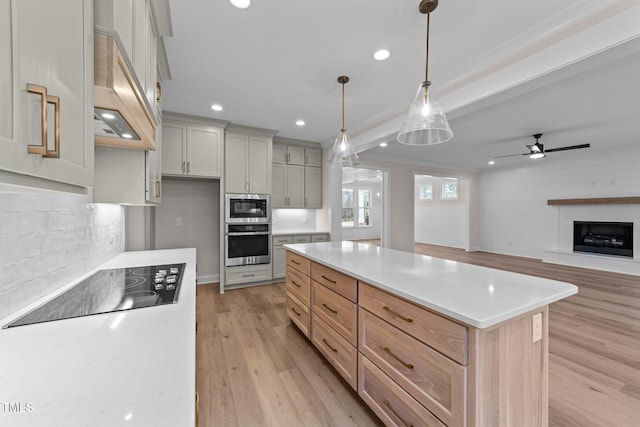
184	167
188	167
324	340
295	262
294	282
159	87
197	409
329	308
388	310
388	405
46	99
158	188
249	275
390	353
294	310
328	280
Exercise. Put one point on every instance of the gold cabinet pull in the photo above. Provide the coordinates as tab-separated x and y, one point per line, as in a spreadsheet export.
184	167
197	409
324	340
328	280
159	87
294	310
46	99
158	188
295	262
188	167
329	308
390	353
388	405
294	282
393	313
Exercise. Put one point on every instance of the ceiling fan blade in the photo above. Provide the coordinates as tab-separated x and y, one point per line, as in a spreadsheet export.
570	147
511	155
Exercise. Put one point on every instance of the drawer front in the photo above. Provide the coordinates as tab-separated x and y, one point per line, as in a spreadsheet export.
299	262
340	313
254	273
305	238
299	285
281	240
434	380
298	313
336	281
389	401
319	238
444	335
342	355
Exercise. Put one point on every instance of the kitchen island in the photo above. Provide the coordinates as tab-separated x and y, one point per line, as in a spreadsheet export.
427	341
133	367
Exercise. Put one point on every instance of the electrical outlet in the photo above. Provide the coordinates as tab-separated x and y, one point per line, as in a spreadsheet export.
178	221
537	327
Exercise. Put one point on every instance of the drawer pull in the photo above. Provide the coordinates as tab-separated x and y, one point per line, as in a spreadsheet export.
388	310
328	280
329	308
249	275
295	262
294	310
324	340
294	282
388	405
390	353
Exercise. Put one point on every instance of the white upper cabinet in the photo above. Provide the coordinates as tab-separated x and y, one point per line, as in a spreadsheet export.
297	175
313	157
46	95
248	161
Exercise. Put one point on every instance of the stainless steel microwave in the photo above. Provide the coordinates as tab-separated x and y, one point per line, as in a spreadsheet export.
247	208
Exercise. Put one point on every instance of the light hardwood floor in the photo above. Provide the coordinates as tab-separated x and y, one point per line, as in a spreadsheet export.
255	369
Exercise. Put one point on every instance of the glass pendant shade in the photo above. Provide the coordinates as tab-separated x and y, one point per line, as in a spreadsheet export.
343	153
426	123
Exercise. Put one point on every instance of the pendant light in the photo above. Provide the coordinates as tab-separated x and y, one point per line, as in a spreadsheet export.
426	122
343	153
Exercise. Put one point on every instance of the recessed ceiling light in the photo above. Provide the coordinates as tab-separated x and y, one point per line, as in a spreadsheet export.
127	135
492	162
383	144
241	4
381	55
108	116
216	107
300	123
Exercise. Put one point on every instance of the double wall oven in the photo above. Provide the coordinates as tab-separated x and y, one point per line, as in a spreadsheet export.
247	229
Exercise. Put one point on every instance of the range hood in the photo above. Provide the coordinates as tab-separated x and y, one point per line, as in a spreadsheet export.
122	116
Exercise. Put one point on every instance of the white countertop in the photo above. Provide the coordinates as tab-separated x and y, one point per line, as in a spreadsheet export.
477	296
128	368
296	232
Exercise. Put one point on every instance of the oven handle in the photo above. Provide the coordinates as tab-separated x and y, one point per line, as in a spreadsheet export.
249	233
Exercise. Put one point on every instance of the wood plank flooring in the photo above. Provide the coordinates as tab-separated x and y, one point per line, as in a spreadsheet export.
255	369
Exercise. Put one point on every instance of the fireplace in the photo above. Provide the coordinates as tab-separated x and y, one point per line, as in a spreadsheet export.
610	238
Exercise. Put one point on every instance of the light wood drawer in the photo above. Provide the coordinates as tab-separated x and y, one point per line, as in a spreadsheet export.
336	281
298	313
319	238
299	285
340	313
281	240
446	336
342	355
432	379
389	401
302	239
299	262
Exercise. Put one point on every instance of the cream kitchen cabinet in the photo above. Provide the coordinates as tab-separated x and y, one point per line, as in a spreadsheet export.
297	176
278	261
312	187
46	99
191	150
288	186
248	163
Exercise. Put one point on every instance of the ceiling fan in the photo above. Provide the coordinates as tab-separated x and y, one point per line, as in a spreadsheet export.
537	151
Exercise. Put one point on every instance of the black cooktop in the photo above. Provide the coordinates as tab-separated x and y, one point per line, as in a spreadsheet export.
111	290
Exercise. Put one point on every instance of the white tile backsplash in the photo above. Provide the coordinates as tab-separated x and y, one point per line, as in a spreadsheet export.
50	239
284	220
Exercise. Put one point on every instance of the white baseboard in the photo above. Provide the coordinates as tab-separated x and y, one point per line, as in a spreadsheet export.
208	278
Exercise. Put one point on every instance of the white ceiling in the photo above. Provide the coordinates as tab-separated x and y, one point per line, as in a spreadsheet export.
502	69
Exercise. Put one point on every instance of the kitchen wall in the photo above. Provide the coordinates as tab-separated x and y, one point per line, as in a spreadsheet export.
513	212
50	239
189	216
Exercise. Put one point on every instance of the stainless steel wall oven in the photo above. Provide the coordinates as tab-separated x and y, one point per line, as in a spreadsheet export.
247	244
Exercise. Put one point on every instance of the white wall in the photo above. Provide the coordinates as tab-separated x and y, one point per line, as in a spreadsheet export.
437	221
514	217
49	239
375	229
196	203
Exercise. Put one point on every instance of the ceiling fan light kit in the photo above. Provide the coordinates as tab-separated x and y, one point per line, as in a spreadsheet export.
343	152
537	151
426	122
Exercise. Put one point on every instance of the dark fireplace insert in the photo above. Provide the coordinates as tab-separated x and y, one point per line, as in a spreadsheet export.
610	238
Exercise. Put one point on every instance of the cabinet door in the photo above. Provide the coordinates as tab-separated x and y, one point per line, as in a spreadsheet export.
260	153
174	140
236	154
295	155
6	77
313	157
204	151
279	262
279	153
295	186
313	187
279	187
150	58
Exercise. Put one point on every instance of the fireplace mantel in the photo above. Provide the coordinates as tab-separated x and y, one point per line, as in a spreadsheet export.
595	201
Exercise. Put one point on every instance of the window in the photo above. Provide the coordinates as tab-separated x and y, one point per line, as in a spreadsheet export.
356	207
450	190
426	192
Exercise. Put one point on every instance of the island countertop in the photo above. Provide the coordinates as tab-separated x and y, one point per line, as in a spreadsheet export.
125	368
474	295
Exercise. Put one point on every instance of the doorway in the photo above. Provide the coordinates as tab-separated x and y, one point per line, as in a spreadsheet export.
364	212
